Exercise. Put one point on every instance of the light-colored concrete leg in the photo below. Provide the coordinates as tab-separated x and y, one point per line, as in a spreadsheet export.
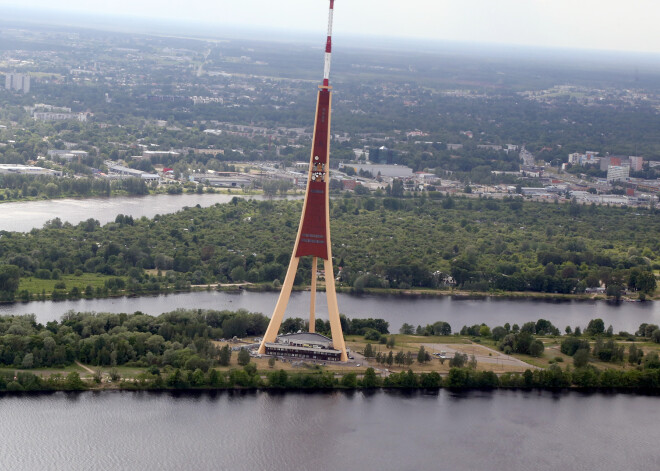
333	310
312	301
280	307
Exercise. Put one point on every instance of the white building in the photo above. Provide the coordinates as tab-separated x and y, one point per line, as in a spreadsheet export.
128	172
18	82
588	158
67	155
51	116
636	163
616	173
385	170
27	170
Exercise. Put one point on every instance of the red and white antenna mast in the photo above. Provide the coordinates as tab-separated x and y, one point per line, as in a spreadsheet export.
328	47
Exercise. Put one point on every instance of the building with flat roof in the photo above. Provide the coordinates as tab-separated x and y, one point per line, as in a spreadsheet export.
18	82
385	170
617	173
222	179
304	345
128	172
636	163
27	170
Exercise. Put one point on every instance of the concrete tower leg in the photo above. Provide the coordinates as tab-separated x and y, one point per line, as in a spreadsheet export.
333	310
312	301
275	322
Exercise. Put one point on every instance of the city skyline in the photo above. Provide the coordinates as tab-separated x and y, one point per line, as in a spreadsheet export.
612	25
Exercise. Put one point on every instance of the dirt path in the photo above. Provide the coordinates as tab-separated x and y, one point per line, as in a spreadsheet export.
86	368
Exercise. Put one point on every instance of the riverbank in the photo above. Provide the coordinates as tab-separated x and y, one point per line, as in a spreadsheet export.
586	379
532	295
90	286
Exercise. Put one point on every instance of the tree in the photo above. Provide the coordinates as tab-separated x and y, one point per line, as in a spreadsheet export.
498	333
635	355
73	382
28	361
9	280
390	342
646	282
407	329
225	356
370	379
271	362
458	361
614	290
349	380
368	351
422	355
655	335
536	348
581	358
243	357
595	327
397	188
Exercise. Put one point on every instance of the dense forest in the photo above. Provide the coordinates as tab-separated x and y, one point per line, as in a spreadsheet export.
379	242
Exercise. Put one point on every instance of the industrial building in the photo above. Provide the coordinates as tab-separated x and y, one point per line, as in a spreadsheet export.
130	172
222	179
28	170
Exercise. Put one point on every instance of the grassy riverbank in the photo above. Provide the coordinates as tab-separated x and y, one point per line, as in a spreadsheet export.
94	286
647	381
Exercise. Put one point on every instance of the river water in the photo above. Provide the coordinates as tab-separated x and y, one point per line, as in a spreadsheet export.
25	216
394	309
500	430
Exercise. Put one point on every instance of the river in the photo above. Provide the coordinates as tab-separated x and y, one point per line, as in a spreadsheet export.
28	215
499	430
394	309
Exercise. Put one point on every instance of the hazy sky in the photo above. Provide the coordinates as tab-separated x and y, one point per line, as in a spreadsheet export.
592	24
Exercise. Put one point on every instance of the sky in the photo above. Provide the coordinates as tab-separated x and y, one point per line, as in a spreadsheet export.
625	25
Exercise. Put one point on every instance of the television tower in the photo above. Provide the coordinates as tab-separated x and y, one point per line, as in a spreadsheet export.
313	237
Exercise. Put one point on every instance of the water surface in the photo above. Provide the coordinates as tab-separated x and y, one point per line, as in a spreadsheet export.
501	430
394	309
27	215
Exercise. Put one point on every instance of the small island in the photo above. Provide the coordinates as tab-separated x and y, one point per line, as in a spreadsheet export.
205	349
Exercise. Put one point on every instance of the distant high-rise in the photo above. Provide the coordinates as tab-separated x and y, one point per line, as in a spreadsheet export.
18	82
636	163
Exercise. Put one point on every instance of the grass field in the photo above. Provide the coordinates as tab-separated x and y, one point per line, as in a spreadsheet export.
37	286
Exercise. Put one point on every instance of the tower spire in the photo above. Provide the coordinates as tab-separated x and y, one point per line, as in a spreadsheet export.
328	46
313	238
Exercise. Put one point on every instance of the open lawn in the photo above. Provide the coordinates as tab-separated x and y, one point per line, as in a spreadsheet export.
37	286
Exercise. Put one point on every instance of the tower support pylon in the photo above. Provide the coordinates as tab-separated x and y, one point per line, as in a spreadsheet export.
313	237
